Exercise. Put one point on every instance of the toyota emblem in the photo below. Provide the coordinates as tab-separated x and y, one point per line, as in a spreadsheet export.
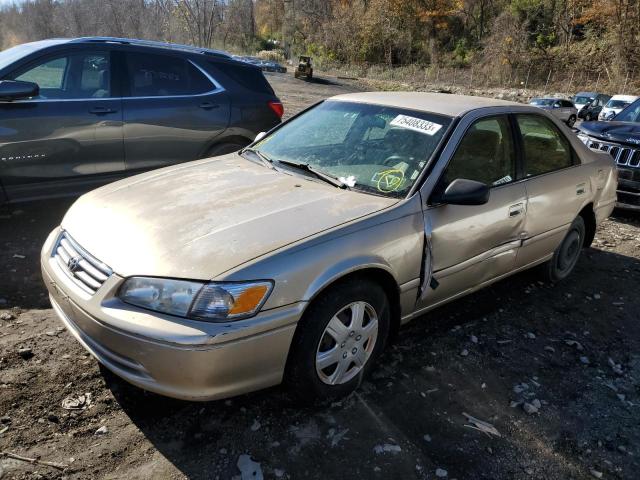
74	264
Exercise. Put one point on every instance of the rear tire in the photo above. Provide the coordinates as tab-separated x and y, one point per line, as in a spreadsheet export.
587	117
224	148
571	121
566	255
335	347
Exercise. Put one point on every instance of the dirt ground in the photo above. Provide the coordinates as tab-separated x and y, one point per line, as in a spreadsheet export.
569	354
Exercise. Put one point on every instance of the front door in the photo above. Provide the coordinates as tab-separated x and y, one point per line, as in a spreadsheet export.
173	111
68	137
471	245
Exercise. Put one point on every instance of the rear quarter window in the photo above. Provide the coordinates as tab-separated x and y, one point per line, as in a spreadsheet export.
247	76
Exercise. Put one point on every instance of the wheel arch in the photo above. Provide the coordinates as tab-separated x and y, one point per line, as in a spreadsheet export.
378	274
589	218
239	139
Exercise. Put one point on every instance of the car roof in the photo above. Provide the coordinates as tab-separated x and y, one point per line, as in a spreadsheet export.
630	98
144	43
152	44
442	103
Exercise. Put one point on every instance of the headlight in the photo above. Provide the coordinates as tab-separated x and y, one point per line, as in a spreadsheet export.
203	301
230	301
583	138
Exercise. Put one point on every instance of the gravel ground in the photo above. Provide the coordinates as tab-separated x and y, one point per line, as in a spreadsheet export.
554	369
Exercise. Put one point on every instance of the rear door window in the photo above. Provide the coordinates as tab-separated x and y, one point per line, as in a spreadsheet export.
164	76
546	149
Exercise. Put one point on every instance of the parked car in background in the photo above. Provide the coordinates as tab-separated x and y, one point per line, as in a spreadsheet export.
615	105
558	107
589	104
621	139
79	113
297	258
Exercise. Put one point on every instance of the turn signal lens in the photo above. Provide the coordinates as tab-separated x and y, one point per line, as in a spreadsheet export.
248	299
230	301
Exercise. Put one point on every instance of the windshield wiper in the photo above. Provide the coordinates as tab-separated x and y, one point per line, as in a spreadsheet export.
336	182
261	156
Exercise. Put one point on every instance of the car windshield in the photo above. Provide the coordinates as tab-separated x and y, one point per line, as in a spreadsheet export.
630	114
581	100
373	148
542	102
617	103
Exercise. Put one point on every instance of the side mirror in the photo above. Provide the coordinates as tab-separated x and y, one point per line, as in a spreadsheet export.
16	90
260	136
556	105
465	192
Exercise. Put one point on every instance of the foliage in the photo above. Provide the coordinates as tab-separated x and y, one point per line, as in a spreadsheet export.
491	34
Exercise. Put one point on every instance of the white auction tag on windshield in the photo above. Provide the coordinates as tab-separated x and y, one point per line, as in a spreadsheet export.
416	124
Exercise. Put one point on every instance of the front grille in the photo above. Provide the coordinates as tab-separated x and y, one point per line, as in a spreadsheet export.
83	268
624	156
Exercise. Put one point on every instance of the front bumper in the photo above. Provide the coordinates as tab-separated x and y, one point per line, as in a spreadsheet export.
176	357
628	188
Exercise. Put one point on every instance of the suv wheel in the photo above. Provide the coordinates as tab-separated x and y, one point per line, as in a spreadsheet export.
566	255
571	121
338	340
587	117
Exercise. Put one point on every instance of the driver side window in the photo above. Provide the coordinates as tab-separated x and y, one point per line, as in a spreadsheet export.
485	154
71	76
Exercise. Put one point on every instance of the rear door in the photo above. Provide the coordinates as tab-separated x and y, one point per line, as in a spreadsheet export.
556	185
70	136
173	110
569	108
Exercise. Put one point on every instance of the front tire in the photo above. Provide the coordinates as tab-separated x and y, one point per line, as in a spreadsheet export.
566	255
337	341
571	121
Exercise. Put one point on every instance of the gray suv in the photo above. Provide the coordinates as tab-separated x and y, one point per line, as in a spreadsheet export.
79	113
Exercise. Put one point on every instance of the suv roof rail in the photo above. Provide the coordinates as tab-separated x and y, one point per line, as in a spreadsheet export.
154	44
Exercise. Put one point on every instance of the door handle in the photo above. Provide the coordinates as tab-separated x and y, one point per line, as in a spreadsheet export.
580	189
515	210
101	110
208	105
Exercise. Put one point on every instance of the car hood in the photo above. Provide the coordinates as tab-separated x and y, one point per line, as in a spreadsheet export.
622	132
201	219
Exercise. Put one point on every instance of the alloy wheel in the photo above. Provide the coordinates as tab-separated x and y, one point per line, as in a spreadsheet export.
347	343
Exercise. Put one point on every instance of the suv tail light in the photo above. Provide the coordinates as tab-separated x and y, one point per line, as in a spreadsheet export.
277	108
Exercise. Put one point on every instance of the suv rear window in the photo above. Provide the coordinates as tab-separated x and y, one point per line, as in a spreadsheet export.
249	77
163	75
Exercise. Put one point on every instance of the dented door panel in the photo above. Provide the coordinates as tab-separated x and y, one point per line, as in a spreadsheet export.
472	244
